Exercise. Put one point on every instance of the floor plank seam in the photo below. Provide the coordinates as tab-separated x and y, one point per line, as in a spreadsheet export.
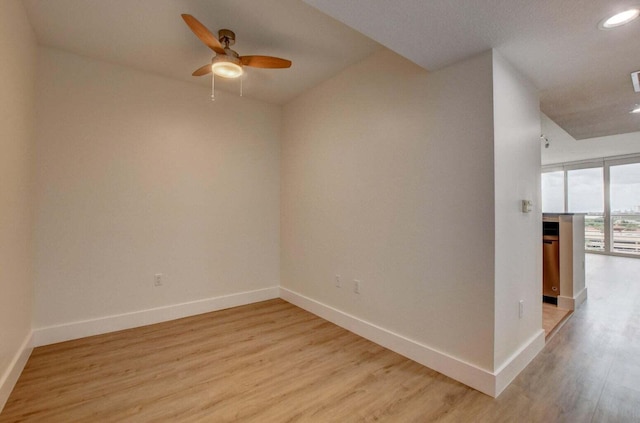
604	385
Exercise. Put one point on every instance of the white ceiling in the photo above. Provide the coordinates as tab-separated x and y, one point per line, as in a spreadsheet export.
150	35
582	72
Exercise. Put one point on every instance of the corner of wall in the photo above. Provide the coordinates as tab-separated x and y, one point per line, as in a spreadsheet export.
17	109
12	373
518	362
518	260
469	374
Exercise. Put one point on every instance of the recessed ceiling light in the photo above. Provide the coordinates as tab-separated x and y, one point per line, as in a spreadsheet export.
619	19
636	110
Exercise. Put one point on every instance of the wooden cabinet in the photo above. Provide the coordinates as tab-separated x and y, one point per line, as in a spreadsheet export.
550	268
563	260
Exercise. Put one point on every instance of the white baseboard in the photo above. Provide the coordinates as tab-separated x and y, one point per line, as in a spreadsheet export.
65	332
566	303
473	376
483	380
518	361
581	297
572	303
11	375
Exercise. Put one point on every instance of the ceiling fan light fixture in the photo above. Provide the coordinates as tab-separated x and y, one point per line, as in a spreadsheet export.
619	19
636	109
226	67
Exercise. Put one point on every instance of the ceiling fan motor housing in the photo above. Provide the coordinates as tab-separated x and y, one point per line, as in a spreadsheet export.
226	37
227	65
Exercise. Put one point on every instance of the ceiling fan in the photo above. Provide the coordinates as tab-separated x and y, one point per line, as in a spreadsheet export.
227	63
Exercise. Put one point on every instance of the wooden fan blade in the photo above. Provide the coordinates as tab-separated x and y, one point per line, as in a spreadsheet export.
203	70
265	62
203	33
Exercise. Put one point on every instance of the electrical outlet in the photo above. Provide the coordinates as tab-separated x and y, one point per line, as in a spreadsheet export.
157	279
521	309
356	286
338	281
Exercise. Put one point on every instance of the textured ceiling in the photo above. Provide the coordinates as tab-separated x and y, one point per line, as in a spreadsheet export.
583	73
150	35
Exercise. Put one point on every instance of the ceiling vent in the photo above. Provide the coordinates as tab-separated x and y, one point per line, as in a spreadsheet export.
635	78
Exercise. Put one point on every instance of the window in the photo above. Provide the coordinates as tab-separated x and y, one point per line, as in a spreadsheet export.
553	192
585	194
585	190
608	192
625	208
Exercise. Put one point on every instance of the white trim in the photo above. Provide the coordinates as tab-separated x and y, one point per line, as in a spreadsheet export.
629	158
11	375
612	253
581	297
607	228
483	380
572	303
68	331
518	361
567	303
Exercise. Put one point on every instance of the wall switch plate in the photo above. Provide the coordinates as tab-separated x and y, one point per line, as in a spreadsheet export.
521	309
338	281
356	286
527	206
157	279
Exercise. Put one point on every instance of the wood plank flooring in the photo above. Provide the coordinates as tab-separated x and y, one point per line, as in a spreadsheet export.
552	318
273	362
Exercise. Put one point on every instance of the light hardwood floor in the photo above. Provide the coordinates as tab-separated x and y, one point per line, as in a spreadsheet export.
273	362
552	318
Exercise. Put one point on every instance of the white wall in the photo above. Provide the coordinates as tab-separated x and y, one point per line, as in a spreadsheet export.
564	148
518	249
17	88
387	177
137	175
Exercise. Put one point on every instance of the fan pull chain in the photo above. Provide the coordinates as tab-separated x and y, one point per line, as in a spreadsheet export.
241	79
213	86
